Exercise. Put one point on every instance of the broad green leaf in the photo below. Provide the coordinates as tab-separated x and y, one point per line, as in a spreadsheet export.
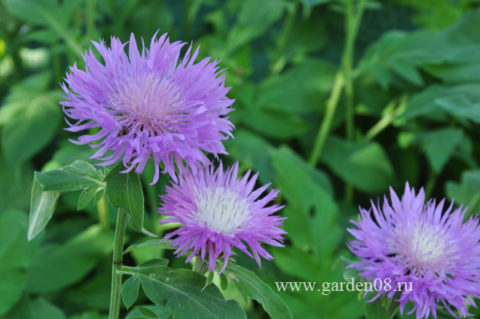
130	289
467	191
253	20
159	243
125	191
312	214
273	123
445	54
48	13
251	286
76	258
439	145
42	206
375	310
252	151
182	293
363	164
436	102
31	127
382	308
149	312
39	308
16	254
79	175
298	90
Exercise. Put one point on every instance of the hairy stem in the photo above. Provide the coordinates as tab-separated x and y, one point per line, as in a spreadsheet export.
116	288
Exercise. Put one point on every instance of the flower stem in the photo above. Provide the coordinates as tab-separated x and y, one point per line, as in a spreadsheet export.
352	24
344	78
116	288
327	119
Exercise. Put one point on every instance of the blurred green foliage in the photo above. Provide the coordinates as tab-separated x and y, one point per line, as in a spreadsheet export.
413	83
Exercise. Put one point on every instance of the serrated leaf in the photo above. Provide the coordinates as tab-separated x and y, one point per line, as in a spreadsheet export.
251	286
125	191
42	206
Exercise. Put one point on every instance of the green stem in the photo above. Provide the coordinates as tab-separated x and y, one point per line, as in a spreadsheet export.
199	266
327	119
344	77
102	212
347	68
280	59
116	288
352	23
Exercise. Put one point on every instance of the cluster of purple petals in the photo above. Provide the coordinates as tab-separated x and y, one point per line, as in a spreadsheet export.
148	104
410	241
254	220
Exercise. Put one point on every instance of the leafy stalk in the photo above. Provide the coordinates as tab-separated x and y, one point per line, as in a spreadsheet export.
344	78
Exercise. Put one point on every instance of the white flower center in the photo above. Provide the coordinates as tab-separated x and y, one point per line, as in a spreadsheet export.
424	247
222	210
148	101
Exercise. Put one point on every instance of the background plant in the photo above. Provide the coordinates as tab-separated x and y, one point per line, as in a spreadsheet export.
335	101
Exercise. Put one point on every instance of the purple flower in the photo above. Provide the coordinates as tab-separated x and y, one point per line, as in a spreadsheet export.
148	104
408	241
218	210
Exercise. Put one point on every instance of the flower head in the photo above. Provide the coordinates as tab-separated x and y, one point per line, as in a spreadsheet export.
218	210
408	241
148	104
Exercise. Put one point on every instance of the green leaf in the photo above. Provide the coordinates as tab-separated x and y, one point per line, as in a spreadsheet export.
16	255
47	13
253	20
42	206
130	289
77	176
439	145
125	191
438	101
273	123
252	151
375	310
312	214
363	164
467	192
32	126
299	90
36	309
182	293
149	312
251	286
77	258
382	308
159	243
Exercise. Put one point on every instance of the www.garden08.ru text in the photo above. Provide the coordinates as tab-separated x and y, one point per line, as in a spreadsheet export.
325	288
